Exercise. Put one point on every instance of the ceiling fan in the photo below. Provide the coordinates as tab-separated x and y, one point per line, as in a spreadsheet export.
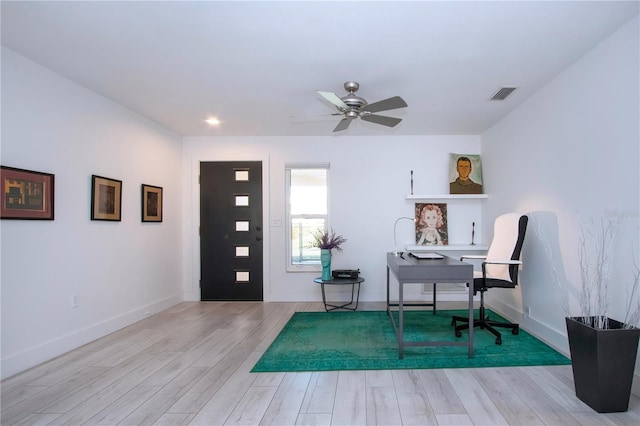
352	106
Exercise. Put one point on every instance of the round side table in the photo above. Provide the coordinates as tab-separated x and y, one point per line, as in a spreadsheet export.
341	281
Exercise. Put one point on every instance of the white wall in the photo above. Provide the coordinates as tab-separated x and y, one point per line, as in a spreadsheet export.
369	179
577	141
573	148
121	271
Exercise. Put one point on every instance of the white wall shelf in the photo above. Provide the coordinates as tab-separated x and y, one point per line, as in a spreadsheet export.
449	247
463	210
447	197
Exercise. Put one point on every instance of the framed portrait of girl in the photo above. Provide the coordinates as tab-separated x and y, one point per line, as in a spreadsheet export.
431	224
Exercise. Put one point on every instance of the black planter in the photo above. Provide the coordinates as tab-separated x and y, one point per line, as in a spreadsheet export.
603	362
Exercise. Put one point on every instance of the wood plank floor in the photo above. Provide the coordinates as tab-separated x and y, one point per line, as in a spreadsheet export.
190	365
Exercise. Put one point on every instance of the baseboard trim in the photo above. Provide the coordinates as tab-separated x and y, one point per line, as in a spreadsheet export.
191	297
19	362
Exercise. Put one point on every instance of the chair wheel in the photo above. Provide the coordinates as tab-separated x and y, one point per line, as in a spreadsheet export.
458	333
499	341
515	331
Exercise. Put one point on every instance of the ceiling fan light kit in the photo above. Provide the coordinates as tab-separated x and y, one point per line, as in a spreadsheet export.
353	106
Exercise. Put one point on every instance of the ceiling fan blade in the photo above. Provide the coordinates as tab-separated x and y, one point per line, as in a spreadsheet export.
313	118
317	115
334	99
343	124
384	105
381	119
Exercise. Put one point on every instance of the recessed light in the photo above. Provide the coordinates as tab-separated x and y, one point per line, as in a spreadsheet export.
213	121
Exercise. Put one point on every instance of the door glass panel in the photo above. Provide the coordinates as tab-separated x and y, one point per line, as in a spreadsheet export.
242	175
242	201
242	251
242	276
242	225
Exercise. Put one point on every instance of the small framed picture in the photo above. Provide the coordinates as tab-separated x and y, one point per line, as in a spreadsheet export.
151	203
106	199
431	224
26	194
465	174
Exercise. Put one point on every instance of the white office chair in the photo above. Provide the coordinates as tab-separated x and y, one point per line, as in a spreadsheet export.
499	269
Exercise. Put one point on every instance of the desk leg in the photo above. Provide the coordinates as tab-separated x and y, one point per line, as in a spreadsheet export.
387	289
471	319
400	321
434	298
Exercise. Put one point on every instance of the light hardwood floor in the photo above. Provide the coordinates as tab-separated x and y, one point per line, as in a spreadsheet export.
190	365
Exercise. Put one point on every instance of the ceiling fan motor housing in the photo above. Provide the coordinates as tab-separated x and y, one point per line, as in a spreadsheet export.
351	99
351	113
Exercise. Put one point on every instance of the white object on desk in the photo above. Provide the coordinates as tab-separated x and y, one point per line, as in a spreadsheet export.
426	255
457	247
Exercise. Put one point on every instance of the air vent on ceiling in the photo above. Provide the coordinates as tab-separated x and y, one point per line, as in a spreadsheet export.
502	94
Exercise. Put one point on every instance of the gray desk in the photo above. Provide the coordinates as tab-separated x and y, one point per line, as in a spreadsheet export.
409	270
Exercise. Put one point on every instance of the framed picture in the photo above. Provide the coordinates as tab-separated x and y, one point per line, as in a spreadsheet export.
431	224
106	198
26	194
465	174
151	203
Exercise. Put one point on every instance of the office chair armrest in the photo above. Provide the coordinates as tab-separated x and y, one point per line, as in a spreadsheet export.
502	262
473	256
497	262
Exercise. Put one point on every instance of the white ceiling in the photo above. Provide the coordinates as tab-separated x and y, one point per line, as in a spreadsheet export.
257	65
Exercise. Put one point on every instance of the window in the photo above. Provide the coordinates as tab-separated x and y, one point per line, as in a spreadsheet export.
307	211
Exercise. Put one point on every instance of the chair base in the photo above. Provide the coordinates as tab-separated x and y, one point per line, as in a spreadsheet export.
485	323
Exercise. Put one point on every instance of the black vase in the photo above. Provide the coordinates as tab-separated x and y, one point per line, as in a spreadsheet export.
603	362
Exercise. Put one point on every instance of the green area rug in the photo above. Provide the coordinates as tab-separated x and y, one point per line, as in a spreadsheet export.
365	340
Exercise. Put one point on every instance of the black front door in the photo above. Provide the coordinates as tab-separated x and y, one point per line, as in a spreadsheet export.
231	230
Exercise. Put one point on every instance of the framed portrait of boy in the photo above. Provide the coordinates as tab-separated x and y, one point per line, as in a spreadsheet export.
465	174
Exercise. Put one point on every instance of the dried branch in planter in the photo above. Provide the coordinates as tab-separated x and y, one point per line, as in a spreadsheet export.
595	251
